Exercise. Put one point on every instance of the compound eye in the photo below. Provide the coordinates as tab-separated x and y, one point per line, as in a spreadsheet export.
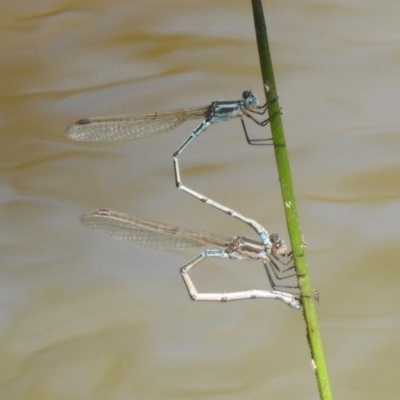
246	94
274	238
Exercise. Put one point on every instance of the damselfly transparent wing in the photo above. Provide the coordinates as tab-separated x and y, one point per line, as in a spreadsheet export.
134	126
150	233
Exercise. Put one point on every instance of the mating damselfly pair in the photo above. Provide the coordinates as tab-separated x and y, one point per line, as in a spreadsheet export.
271	250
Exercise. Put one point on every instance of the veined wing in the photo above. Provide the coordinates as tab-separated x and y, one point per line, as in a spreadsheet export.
150	233
133	126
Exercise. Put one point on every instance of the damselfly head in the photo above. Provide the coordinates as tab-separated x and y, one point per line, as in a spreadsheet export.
250	101
278	245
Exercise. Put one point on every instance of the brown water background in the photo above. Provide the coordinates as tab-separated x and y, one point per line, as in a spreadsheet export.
86	317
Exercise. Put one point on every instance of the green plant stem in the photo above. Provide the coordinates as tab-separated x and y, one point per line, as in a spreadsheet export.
285	178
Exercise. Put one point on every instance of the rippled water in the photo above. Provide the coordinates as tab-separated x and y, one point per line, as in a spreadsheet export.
86	317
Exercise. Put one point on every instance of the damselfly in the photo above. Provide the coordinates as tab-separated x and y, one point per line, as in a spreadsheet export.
134	126
162	236
106	129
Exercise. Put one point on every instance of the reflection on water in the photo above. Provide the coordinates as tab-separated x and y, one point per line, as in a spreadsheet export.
87	317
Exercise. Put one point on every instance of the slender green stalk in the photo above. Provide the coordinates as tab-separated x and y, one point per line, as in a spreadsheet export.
285	178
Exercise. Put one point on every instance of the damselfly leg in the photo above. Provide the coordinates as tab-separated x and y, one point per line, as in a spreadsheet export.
261	110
